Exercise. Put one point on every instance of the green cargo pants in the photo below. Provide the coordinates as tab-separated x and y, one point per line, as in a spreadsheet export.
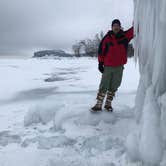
111	79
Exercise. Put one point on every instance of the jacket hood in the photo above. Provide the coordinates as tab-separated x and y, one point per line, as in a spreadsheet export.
119	34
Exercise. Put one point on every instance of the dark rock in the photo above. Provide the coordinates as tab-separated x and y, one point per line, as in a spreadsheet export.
53	53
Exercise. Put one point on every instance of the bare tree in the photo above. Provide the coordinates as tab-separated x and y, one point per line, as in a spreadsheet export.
76	49
89	46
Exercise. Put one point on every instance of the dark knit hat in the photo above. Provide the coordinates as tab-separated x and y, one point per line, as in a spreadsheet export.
116	21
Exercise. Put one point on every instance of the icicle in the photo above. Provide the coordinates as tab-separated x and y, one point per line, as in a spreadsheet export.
150	50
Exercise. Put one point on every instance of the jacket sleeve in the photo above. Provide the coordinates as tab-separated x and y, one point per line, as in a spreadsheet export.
129	33
101	49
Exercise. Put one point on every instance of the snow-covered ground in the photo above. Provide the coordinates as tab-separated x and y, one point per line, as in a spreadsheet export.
45	118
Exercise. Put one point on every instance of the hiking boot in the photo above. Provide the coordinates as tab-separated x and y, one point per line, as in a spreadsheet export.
98	106
108	108
108	103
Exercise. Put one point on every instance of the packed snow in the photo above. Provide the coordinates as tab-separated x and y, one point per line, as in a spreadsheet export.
45	118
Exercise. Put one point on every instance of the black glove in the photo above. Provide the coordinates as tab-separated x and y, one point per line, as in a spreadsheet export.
101	67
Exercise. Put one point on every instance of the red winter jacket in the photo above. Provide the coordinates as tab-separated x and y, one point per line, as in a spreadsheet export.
113	48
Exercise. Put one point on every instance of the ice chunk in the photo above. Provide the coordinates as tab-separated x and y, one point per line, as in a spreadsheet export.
150	25
7	138
41	113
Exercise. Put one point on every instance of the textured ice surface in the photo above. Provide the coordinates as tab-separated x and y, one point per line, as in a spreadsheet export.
49	123
150	109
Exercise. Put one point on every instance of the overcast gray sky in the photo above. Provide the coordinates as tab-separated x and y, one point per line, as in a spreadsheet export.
30	25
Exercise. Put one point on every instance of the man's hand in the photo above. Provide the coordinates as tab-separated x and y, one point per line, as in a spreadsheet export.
101	67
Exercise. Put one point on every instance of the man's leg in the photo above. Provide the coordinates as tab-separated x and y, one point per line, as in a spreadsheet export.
115	83
103	87
117	78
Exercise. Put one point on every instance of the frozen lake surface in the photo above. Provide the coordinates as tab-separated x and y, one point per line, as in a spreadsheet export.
45	118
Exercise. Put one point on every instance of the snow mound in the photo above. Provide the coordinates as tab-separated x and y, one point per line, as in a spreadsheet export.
41	113
82	117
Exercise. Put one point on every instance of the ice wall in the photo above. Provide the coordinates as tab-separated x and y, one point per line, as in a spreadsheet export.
150	107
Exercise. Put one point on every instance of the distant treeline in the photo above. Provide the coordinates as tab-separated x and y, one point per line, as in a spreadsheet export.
89	47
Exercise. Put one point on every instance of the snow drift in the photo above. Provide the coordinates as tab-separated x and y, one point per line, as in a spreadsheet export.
150	107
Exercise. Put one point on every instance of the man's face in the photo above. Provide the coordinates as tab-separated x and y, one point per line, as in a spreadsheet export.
116	28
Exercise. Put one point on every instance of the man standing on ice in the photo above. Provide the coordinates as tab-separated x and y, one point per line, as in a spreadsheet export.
112	55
